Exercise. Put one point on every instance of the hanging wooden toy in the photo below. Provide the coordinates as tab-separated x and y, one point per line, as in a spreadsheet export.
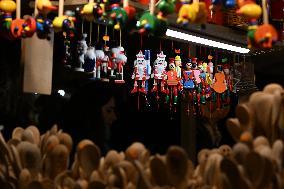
90	57
139	74
82	51
265	35
188	84
166	7
251	11
172	85
93	11
159	74
192	13
210	70
99	60
148	21
122	59
43	24
7	7
118	16
22	27
64	23
219	84
130	10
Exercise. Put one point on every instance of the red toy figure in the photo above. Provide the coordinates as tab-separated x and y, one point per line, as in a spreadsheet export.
121	60
160	73
172	82
196	71
139	74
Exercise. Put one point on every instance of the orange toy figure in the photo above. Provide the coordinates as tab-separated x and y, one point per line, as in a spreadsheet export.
265	35
219	82
172	83
139	73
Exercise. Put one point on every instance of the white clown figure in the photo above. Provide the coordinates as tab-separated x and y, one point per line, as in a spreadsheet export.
139	73
82	51
159	72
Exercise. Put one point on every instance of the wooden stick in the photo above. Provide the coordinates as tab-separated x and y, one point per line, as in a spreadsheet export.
35	10
265	15
125	3
61	8
152	7
18	9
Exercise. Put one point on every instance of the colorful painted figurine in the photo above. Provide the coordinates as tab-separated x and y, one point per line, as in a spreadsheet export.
118	15
188	82
172	84
43	24
122	59
196	71
7	7
90	60
160	73
210	70
219	82
192	13
64	23
92	11
139	73
82	50
165	7
99	59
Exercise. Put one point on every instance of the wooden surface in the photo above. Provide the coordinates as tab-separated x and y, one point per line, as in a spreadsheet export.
37	57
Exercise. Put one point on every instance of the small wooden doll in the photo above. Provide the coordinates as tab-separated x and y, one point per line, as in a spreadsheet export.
139	74
82	50
100	55
121	60
160	73
90	60
219	82
172	83
188	82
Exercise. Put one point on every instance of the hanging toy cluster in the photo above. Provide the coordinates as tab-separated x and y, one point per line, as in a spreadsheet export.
196	82
259	37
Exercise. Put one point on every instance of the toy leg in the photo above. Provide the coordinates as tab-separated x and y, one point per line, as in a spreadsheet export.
142	89
155	88
135	89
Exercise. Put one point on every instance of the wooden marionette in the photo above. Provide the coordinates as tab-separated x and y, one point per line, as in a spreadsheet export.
192	13
139	74
7	7
188	84
196	71
210	70
22	27
219	84
90	60
93	11
250	11
43	24
118	16
64	23
100	55
105	64
172	84
159	73
166	7
265	35
148	21
113	61
82	51
121	61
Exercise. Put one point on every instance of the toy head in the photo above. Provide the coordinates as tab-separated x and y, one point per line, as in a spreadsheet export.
140	58
172	66
177	61
188	65
226	68
161	58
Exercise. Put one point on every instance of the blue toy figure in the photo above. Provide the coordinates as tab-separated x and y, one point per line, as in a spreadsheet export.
225	3
188	82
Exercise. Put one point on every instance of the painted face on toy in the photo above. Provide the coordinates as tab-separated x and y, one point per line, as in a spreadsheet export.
194	65
172	66
178	62
226	71
160	61
140	61
188	65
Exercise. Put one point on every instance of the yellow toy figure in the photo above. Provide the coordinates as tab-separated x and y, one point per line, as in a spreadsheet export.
192	13
7	7
251	11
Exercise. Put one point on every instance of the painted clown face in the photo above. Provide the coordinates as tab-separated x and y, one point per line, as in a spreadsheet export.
172	66
188	66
